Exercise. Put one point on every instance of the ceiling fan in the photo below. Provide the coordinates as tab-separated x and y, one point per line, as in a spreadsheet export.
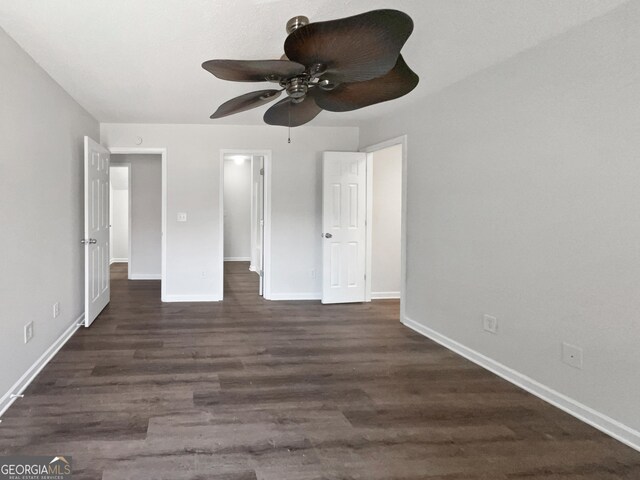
337	65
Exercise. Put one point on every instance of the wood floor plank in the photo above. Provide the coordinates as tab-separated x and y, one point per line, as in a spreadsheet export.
247	389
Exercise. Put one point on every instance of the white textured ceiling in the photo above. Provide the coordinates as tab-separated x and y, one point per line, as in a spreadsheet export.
139	60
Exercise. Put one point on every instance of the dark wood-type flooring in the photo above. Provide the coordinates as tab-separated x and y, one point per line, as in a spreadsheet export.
248	389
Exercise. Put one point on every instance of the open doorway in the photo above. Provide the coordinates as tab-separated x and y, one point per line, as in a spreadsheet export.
386	220
136	217
119	220
385	172
244	213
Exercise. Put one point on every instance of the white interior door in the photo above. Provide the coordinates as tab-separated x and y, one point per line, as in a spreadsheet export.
96	229
260	217
343	225
257	218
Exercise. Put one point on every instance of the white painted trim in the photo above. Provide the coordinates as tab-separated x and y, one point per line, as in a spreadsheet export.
193	298
221	224
266	241
119	260
23	382
296	296
145	276
237	259
401	140
163	153
252	268
266	246
602	422
368	255
384	295
129	218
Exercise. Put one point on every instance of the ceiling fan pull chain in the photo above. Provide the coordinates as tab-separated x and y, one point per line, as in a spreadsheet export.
289	110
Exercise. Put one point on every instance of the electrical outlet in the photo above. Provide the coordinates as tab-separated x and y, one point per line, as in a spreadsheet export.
28	332
182	217
56	309
313	273
490	324
572	355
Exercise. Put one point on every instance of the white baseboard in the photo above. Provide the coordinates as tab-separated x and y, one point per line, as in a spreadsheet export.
145	276
119	260
602	422
384	295
23	382
192	298
295	296
237	259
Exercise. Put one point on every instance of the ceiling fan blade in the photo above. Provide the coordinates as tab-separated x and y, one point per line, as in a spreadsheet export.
353	49
253	70
246	102
286	113
351	96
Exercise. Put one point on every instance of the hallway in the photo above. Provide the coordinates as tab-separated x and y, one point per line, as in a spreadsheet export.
249	389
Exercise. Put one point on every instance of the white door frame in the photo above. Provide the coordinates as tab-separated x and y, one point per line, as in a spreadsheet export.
266	246
401	140
163	153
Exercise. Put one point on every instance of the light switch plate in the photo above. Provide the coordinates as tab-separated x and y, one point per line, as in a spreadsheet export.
28	332
182	217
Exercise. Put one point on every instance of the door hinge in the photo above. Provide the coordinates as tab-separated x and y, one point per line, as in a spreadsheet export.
262	273
262	171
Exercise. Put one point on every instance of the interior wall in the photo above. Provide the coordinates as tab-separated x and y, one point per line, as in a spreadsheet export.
237	210
386	228
194	250
145	258
119	214
523	194
41	193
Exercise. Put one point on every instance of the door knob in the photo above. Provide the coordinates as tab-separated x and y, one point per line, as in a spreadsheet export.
328	235
89	241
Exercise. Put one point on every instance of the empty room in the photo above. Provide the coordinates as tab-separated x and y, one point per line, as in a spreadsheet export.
277	240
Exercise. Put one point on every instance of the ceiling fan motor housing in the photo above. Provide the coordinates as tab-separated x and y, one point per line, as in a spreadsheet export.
297	87
297	22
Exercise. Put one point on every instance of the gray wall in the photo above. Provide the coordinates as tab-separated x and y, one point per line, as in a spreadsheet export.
524	203
145	257
41	209
194	248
